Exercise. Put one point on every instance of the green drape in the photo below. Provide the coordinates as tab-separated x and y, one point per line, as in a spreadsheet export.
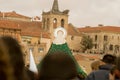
65	48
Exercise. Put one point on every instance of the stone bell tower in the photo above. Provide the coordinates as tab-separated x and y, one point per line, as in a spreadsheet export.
54	18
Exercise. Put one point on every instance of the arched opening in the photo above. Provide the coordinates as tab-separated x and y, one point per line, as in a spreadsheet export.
62	22
105	38
96	37
116	48
48	23
54	23
111	47
43	23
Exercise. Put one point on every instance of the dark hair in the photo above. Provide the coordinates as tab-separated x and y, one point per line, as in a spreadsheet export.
57	66
31	75
6	70
108	58
16	56
118	63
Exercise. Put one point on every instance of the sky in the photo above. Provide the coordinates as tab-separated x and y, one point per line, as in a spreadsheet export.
82	12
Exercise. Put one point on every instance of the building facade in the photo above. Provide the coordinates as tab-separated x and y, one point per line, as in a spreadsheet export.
37	35
106	39
7	30
54	18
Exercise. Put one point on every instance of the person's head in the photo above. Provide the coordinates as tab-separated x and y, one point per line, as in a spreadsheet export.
16	56
31	75
6	70
118	63
57	66
117	67
60	33
109	59
95	65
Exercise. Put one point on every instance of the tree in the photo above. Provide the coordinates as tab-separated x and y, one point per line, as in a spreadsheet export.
86	43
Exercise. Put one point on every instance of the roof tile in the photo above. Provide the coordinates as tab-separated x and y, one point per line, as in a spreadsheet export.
72	30
33	28
103	28
13	14
8	24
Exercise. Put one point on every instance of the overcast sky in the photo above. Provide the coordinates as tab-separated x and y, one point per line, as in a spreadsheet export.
82	12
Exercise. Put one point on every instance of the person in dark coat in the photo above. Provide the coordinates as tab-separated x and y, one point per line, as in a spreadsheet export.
104	70
115	71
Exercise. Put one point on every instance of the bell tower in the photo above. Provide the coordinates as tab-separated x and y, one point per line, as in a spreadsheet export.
54	18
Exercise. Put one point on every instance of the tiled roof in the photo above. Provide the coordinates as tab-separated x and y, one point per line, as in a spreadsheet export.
87	56
45	35
13	14
100	28
73	31
32	28
8	24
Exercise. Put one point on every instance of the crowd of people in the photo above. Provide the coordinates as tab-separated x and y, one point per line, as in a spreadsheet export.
55	66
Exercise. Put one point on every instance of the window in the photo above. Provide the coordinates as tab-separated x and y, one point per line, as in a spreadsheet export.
62	23
44	23
72	37
96	37
55	23
48	23
24	40
40	50
111	47
105	38
38	41
116	48
29	42
88	36
95	46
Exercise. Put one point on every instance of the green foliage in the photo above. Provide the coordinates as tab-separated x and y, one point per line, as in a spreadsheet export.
86	43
